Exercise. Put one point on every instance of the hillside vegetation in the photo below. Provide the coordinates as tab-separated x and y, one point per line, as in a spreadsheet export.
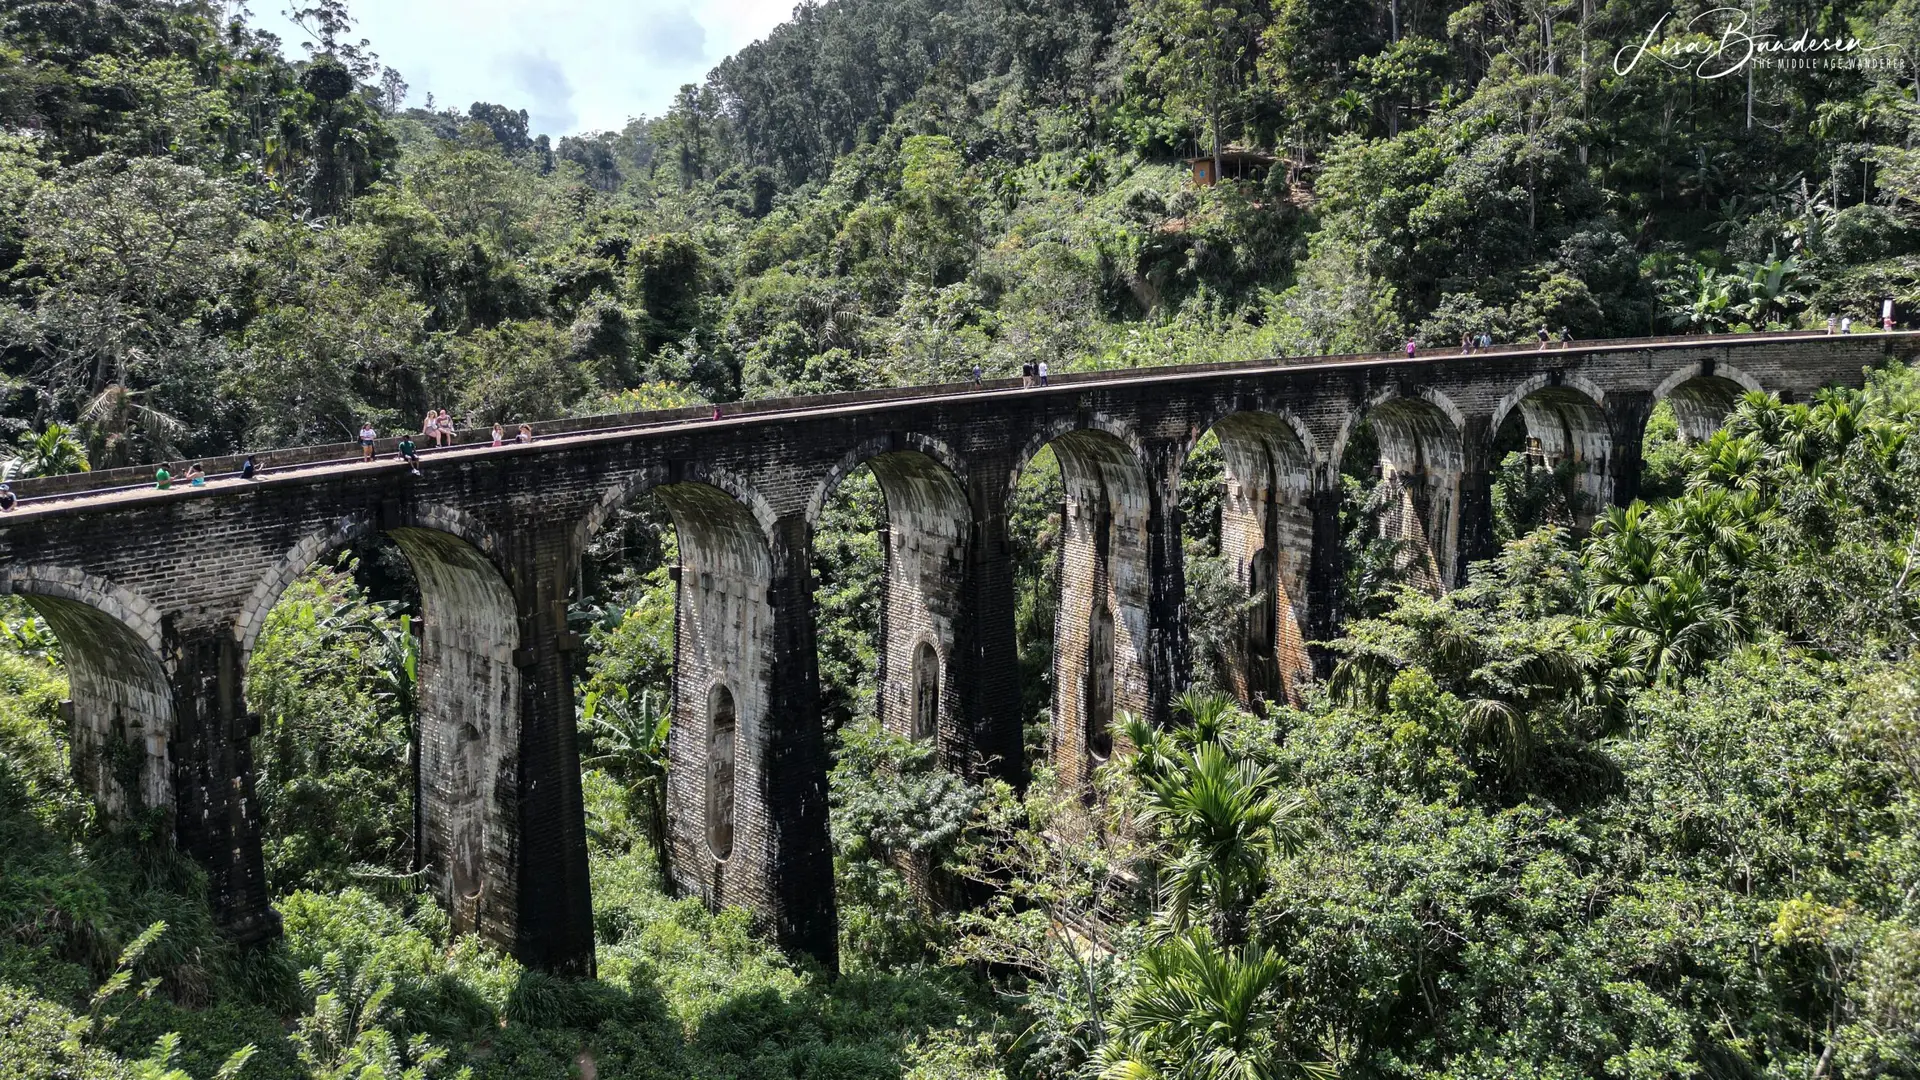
1639	804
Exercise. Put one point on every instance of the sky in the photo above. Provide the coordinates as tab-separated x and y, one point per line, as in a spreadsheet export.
574	65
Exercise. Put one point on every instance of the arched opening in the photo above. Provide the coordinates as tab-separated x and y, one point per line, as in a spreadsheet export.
466	682
119	707
1248	539
364	652
722	726
1406	458
1552	456
889	558
331	658
718	816
622	606
1701	403
926	691
1078	525
1099	680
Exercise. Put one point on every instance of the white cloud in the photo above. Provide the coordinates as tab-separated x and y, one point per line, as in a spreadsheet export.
574	65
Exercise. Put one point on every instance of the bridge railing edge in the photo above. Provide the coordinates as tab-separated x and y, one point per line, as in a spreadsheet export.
137	476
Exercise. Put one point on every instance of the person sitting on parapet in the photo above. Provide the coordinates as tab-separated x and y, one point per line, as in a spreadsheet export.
162	479
499	434
196	476
248	468
405	449
8	500
526	433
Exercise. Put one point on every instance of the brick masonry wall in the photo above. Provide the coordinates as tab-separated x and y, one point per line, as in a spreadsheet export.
190	573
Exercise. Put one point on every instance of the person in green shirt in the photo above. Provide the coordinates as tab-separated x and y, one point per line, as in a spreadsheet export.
162	479
407	455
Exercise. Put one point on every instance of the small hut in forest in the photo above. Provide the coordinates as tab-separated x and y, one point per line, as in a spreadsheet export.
1236	163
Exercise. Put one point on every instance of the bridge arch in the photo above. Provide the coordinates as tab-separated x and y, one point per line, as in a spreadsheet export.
1265	537
719	745
1421	436
928	527
467	699
1100	625
121	713
1703	394
1560	421
1119	437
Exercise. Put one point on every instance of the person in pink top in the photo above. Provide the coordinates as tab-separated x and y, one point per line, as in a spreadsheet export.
1411	346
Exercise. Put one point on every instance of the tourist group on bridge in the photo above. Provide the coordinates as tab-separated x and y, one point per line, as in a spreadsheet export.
437	427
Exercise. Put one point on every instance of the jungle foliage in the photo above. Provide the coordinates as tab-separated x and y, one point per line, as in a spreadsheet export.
1644	803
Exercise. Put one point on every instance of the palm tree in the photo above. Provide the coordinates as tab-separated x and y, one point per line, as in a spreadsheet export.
1200	1012
1668	627
632	740
116	414
1624	554
53	451
1225	817
1351	107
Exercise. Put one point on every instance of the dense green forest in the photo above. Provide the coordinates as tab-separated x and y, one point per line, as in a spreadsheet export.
1640	803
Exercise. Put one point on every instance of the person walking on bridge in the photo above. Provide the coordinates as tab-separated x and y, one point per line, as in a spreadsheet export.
1041	369
1413	346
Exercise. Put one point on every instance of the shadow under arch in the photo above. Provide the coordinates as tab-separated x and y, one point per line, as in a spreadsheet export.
1266	538
925	545
120	704
1100	635
1421	436
1703	394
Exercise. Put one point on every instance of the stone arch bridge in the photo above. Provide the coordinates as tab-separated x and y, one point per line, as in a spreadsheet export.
157	596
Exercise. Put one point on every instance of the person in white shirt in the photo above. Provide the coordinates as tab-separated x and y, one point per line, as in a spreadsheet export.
367	435
1043	373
